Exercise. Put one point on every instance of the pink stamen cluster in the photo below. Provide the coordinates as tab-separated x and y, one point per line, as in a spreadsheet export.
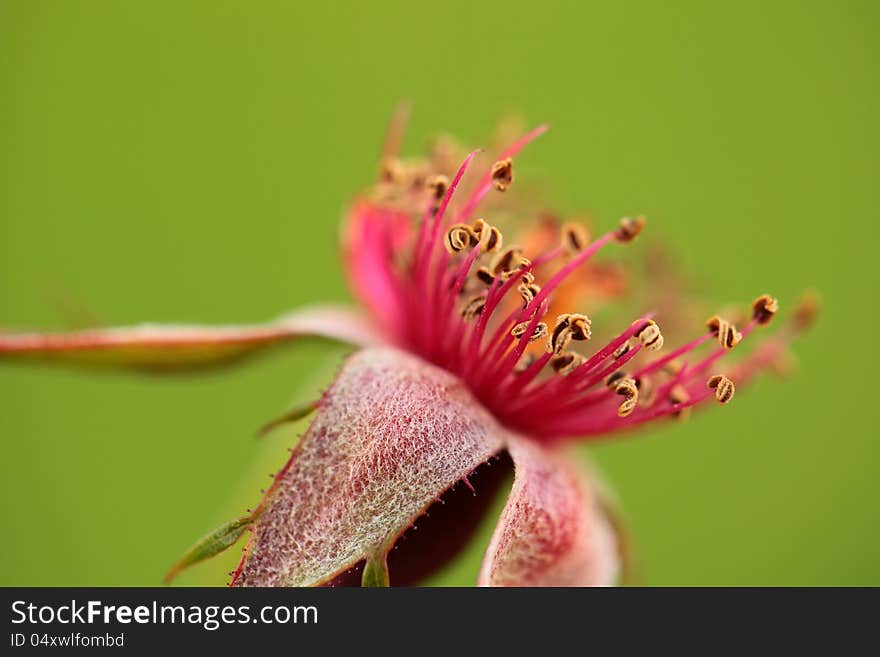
424	296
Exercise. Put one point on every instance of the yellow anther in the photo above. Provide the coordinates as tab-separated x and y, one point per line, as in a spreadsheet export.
723	387
491	239
485	276
568	327
438	185
502	174
650	336
459	237
764	308
627	407
629	229
728	336
528	291
622	350
506	260
626	387
520	329
566	363
574	237
473	307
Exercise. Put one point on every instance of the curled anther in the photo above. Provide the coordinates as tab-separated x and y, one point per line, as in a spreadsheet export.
506	260
679	395
473	307
629	229
569	327
528	291
437	186
725	331
459	237
622	350
626	387
540	331
627	407
567	362
574	237
724	388
614	378
764	308
502	174
650	336
490	238
485	276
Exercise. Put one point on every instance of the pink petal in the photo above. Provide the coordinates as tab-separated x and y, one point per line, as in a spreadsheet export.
552	531
390	436
177	347
371	238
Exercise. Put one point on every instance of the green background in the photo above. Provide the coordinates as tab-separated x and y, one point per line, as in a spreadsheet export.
189	161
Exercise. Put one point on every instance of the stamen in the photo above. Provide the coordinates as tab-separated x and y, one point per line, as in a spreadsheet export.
650	336
567	362
490	237
539	332
728	336
622	350
574	237
568	327
764	308
507	260
571	266
485	182
615	378
502	174
485	276
459	237
628	406
528	291
723	387
626	386
629	229
438	186
473	307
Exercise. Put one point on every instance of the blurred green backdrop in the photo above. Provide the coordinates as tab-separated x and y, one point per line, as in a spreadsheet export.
189	161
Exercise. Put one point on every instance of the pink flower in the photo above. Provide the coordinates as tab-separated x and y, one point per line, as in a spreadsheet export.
470	364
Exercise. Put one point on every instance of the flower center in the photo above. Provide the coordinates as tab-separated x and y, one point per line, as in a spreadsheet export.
472	304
